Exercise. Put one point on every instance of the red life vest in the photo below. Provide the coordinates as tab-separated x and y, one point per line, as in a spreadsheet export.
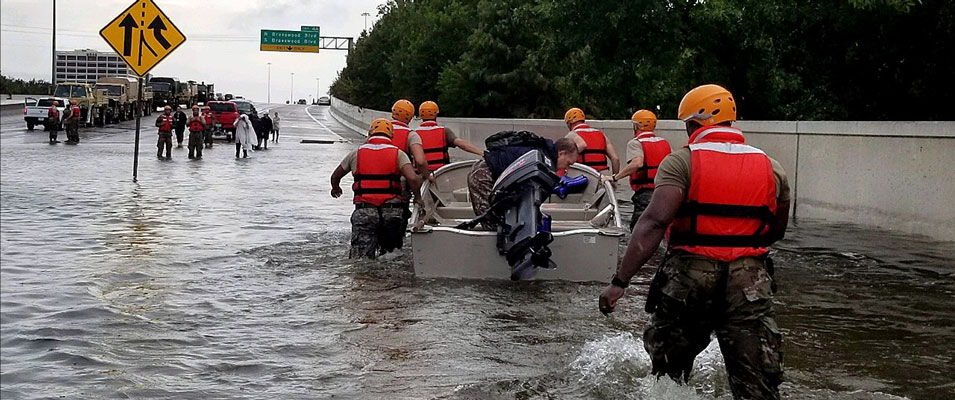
730	206
53	112
655	149
377	178
434	144
76	113
195	125
210	118
400	139
165	123
595	155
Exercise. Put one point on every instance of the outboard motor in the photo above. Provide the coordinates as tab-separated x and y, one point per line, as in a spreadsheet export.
523	231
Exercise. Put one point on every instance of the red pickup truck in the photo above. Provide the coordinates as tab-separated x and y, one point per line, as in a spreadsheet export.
226	113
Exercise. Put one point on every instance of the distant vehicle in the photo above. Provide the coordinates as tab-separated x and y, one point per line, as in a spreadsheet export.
302	101
244	106
225	113
228	96
92	102
324	101
35	110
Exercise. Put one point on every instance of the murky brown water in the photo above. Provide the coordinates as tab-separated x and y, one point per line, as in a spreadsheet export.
227	278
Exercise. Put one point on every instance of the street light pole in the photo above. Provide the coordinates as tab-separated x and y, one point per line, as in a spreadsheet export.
53	68
318	88
269	96
365	14
291	98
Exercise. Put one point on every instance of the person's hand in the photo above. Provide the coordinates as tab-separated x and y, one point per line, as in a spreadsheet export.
336	192
417	225
608	299
608	178
431	178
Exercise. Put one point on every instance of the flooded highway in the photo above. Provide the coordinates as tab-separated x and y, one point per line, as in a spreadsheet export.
227	278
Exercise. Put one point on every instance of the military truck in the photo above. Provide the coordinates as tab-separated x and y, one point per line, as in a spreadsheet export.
93	103
122	93
205	93
147	103
188	93
165	91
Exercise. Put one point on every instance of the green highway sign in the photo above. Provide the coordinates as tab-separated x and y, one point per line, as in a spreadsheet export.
289	41
306	28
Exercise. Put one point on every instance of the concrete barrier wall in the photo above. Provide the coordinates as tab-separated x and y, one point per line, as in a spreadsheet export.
893	175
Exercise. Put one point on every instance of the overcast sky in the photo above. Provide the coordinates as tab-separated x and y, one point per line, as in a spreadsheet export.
222	40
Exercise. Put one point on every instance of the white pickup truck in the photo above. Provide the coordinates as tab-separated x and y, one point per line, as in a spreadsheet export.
35	110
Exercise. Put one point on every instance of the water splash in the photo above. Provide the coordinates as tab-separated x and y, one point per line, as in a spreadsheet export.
618	366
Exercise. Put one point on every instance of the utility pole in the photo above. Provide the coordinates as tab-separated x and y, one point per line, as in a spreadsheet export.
53	67
318	88
291	98
269	96
366	15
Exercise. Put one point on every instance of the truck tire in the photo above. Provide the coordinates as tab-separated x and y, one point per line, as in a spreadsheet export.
30	124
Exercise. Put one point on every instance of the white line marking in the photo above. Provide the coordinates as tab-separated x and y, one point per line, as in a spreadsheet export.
323	125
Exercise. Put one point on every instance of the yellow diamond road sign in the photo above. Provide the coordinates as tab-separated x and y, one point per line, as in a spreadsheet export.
142	35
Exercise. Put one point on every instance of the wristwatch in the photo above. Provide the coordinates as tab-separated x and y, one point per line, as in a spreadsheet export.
618	283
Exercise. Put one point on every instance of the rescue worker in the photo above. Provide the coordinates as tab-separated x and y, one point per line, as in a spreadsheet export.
210	120
486	170
436	139
595	149
197	125
71	122
53	120
165	124
721	202
644	154
377	166
179	122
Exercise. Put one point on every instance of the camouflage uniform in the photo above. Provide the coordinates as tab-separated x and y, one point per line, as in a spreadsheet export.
480	184
640	199
377	230
695	296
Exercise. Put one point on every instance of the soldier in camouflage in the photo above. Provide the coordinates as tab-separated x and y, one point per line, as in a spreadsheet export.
380	216
717	276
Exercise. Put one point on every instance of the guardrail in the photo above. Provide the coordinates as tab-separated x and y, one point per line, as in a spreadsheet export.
893	175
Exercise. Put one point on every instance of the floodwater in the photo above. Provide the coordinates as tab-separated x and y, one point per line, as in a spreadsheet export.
226	278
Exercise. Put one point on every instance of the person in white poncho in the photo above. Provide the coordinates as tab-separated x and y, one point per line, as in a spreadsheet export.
244	136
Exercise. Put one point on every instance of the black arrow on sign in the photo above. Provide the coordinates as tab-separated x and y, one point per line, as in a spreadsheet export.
129	23
158	26
290	48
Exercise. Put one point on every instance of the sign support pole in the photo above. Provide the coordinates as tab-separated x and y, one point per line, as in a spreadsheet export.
139	116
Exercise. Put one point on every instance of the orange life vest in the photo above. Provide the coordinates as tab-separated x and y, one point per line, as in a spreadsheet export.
595	155
655	149
210	118
165	123
53	112
76	113
434	144
730	206
377	178
195	125
400	139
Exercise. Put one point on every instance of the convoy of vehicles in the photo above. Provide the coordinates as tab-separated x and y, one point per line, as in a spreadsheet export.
35	110
122	94
93	103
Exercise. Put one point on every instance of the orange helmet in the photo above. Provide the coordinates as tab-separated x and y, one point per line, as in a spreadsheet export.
381	126
195	107
428	110
56	103
206	108
73	101
167	108
573	115
402	111
707	105
644	120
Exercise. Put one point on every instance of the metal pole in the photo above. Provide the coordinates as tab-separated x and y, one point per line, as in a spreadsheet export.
53	68
291	97
365	14
318	88
139	116
270	83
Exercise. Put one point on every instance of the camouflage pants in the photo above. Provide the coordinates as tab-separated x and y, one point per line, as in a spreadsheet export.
699	296
376	231
640	199
480	184
164	143
195	144
72	129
